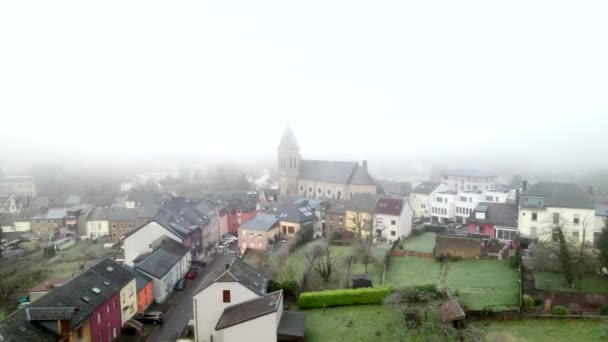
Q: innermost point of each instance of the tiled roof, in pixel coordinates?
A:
(262, 222)
(17, 328)
(158, 263)
(292, 324)
(49, 314)
(141, 280)
(389, 206)
(561, 195)
(426, 188)
(363, 202)
(339, 172)
(251, 309)
(498, 214)
(451, 311)
(97, 214)
(248, 276)
(298, 212)
(122, 214)
(52, 214)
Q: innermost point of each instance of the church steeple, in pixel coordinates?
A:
(289, 162)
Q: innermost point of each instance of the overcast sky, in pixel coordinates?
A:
(524, 81)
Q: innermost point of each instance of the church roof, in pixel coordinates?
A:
(288, 140)
(340, 172)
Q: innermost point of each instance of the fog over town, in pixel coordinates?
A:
(169, 171)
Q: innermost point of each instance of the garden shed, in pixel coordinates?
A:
(451, 312)
(361, 280)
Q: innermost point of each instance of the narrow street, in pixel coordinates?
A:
(181, 311)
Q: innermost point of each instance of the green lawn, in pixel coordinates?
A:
(480, 283)
(555, 281)
(484, 283)
(424, 243)
(334, 324)
(412, 270)
(546, 330)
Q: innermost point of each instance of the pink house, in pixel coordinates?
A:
(239, 212)
(255, 233)
(494, 221)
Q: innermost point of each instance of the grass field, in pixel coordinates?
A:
(547, 330)
(480, 283)
(424, 243)
(485, 283)
(413, 271)
(554, 281)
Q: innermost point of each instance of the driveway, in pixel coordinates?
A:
(180, 313)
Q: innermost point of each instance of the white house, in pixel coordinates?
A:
(165, 264)
(420, 198)
(465, 204)
(231, 304)
(97, 224)
(139, 241)
(545, 205)
(394, 218)
(443, 206)
(601, 214)
(463, 179)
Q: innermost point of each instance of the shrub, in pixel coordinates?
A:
(440, 258)
(528, 301)
(538, 301)
(513, 262)
(416, 232)
(559, 310)
(330, 298)
(435, 229)
(400, 247)
(604, 310)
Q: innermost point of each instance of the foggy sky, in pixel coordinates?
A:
(520, 82)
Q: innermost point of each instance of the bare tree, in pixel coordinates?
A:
(320, 260)
(364, 220)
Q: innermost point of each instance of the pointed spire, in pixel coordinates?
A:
(288, 141)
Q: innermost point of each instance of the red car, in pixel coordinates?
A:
(191, 274)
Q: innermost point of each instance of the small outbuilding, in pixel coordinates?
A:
(361, 280)
(451, 313)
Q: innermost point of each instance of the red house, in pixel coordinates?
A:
(494, 221)
(239, 212)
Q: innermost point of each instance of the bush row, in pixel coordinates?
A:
(329, 298)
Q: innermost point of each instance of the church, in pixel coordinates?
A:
(319, 178)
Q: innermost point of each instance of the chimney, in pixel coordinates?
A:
(227, 266)
(524, 186)
(364, 164)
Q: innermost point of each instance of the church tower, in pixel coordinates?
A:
(289, 163)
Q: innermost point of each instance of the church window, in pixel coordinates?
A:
(319, 191)
(295, 165)
(301, 187)
(310, 189)
(328, 192)
(339, 194)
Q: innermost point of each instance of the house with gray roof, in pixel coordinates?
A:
(231, 304)
(258, 232)
(319, 178)
(543, 207)
(421, 196)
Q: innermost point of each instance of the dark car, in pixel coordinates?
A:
(152, 317)
(198, 263)
(191, 274)
(180, 285)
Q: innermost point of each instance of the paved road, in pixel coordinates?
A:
(181, 312)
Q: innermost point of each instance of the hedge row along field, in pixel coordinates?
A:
(330, 298)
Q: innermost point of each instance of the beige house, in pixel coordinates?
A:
(97, 223)
(319, 178)
(231, 304)
(545, 205)
(421, 195)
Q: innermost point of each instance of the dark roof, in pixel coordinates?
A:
(97, 214)
(339, 172)
(147, 210)
(49, 314)
(362, 202)
(468, 173)
(262, 222)
(158, 263)
(292, 324)
(250, 277)
(107, 268)
(165, 220)
(122, 214)
(601, 210)
(336, 207)
(561, 195)
(141, 280)
(71, 293)
(296, 211)
(251, 309)
(498, 214)
(451, 311)
(17, 328)
(171, 246)
(389, 206)
(426, 187)
(397, 188)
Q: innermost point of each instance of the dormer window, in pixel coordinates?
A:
(226, 296)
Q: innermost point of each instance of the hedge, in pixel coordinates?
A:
(329, 298)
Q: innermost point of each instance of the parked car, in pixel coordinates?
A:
(191, 274)
(198, 263)
(224, 245)
(152, 317)
(230, 238)
(180, 285)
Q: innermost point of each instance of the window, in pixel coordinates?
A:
(490, 198)
(555, 218)
(341, 220)
(100, 337)
(99, 318)
(393, 233)
(226, 296)
(79, 332)
(463, 199)
(575, 236)
(577, 219)
(439, 199)
(480, 230)
(422, 206)
(534, 216)
(555, 235)
(310, 189)
(393, 222)
(108, 309)
(301, 188)
(329, 192)
(290, 229)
